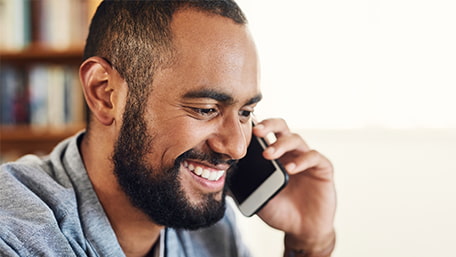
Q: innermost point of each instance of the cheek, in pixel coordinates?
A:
(175, 138)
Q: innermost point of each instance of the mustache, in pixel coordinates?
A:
(209, 157)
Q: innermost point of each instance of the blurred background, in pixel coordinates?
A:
(371, 84)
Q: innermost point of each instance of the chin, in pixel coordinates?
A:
(199, 199)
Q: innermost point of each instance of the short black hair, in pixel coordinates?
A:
(136, 39)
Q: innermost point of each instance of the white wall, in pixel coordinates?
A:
(351, 64)
(371, 84)
(396, 194)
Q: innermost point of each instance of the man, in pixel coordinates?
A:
(168, 85)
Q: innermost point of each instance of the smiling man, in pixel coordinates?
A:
(171, 86)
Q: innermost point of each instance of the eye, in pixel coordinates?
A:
(245, 115)
(205, 113)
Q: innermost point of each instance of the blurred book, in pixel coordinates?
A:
(48, 95)
(56, 24)
(15, 24)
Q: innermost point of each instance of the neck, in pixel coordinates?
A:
(134, 230)
(136, 233)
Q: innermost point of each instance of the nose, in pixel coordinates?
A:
(230, 138)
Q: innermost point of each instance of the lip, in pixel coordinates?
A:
(203, 184)
(208, 165)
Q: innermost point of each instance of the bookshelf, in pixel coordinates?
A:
(41, 102)
(40, 54)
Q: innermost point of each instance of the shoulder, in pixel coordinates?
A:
(37, 184)
(27, 183)
(32, 207)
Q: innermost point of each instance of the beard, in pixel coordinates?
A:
(159, 193)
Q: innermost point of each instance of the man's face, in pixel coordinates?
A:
(173, 161)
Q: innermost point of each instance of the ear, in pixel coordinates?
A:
(98, 84)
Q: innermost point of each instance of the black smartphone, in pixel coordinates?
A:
(256, 180)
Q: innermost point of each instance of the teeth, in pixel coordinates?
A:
(213, 176)
(199, 171)
(205, 173)
(220, 174)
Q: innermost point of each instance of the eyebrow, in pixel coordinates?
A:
(219, 96)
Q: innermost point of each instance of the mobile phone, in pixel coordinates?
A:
(256, 180)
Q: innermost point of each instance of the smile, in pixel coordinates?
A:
(204, 172)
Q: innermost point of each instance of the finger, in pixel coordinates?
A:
(277, 126)
(312, 162)
(291, 142)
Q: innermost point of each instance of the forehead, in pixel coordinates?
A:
(210, 50)
(206, 31)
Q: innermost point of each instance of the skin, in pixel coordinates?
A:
(203, 102)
